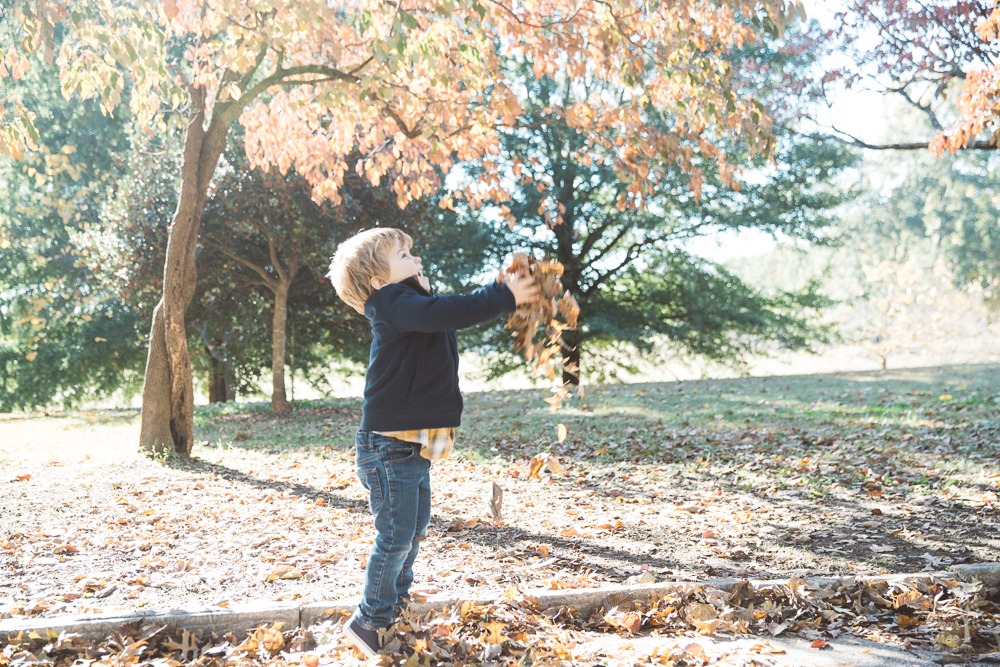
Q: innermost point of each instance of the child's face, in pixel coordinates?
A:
(402, 265)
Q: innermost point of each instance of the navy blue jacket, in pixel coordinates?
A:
(412, 380)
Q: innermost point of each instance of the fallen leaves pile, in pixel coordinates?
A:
(964, 618)
(538, 327)
(135, 645)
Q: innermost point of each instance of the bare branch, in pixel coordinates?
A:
(851, 140)
(267, 280)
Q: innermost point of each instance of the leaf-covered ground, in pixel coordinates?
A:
(859, 473)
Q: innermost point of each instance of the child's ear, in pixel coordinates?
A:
(378, 283)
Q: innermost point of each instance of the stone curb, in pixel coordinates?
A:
(240, 619)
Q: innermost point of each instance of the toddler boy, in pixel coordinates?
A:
(412, 403)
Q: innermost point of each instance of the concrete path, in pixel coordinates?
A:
(846, 651)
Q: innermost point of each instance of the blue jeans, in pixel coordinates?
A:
(399, 487)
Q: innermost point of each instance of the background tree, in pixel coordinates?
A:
(253, 219)
(952, 204)
(270, 235)
(638, 287)
(410, 86)
(939, 56)
(616, 232)
(64, 334)
(268, 230)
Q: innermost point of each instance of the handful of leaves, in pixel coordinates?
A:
(538, 327)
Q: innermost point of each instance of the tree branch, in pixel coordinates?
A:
(850, 140)
(267, 280)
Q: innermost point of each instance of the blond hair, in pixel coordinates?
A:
(359, 259)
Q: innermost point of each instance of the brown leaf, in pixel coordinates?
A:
(697, 652)
(704, 617)
(561, 432)
(629, 621)
(284, 572)
(495, 631)
(496, 502)
(537, 327)
(535, 465)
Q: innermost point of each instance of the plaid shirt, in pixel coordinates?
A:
(435, 443)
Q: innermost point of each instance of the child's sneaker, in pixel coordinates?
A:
(367, 641)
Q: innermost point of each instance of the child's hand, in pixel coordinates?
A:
(524, 288)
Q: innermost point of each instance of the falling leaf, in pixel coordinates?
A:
(535, 465)
(538, 327)
(561, 432)
(552, 463)
(542, 461)
(496, 502)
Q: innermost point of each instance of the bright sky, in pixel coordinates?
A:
(862, 114)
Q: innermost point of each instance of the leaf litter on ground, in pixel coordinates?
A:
(764, 478)
(515, 629)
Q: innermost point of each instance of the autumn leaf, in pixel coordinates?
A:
(170, 9)
(629, 621)
(704, 617)
(494, 631)
(542, 461)
(538, 327)
(188, 646)
(284, 572)
(697, 651)
(496, 502)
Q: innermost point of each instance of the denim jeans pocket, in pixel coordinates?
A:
(374, 482)
(399, 452)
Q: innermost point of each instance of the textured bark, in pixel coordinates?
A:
(279, 329)
(155, 437)
(168, 388)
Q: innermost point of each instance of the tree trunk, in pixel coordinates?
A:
(220, 386)
(230, 375)
(155, 438)
(279, 400)
(218, 390)
(168, 388)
